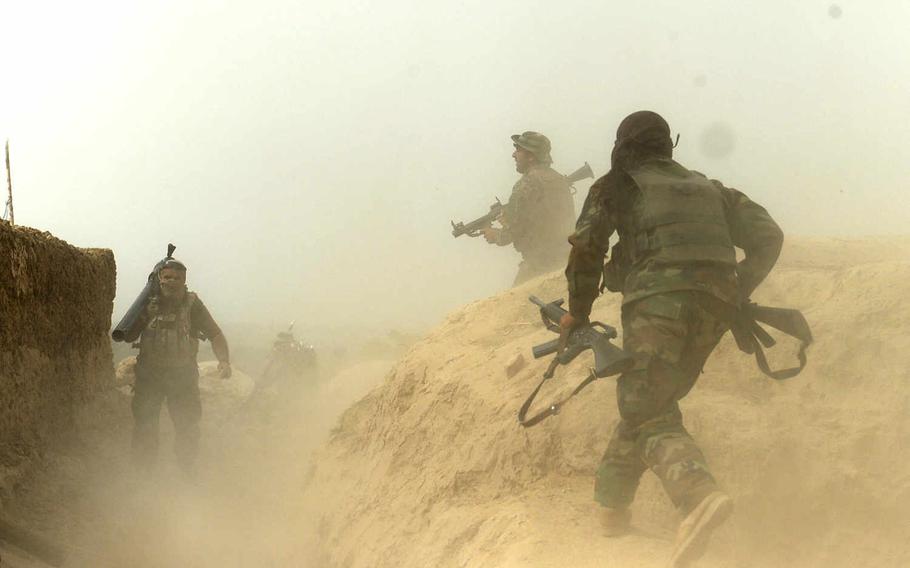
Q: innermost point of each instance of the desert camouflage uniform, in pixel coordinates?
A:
(537, 220)
(167, 371)
(673, 316)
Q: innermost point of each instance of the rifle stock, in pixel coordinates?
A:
(581, 173)
(610, 360)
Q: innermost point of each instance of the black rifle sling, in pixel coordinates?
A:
(553, 408)
(780, 374)
(750, 336)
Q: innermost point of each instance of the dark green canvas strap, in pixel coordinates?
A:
(553, 408)
(751, 337)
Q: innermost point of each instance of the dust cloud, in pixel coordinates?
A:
(243, 507)
(307, 157)
(717, 141)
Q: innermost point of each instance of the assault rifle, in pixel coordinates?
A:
(475, 227)
(151, 288)
(608, 359)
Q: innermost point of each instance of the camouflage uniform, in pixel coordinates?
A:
(167, 370)
(674, 312)
(539, 215)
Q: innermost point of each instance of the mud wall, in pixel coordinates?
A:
(55, 314)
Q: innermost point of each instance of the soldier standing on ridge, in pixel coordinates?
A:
(540, 212)
(675, 265)
(170, 328)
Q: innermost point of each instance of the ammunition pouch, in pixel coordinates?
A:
(169, 340)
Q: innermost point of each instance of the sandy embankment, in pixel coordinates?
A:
(432, 469)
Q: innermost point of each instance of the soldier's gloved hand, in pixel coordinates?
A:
(224, 370)
(491, 235)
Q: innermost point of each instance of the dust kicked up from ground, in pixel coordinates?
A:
(243, 509)
(427, 465)
(432, 468)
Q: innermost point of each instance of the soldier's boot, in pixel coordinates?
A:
(615, 522)
(617, 480)
(695, 530)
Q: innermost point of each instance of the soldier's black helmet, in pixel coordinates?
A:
(641, 135)
(646, 128)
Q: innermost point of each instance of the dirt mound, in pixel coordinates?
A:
(432, 468)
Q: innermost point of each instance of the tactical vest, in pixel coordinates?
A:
(169, 339)
(678, 218)
(548, 219)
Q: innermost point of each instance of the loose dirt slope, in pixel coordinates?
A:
(432, 468)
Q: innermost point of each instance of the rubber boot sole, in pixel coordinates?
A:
(696, 529)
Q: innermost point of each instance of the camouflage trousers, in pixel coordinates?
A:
(671, 336)
(180, 388)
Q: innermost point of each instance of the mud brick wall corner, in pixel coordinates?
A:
(55, 350)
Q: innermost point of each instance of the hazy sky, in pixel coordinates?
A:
(306, 157)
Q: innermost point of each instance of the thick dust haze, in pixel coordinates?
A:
(307, 157)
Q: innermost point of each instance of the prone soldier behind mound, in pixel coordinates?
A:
(675, 265)
(540, 213)
(169, 328)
